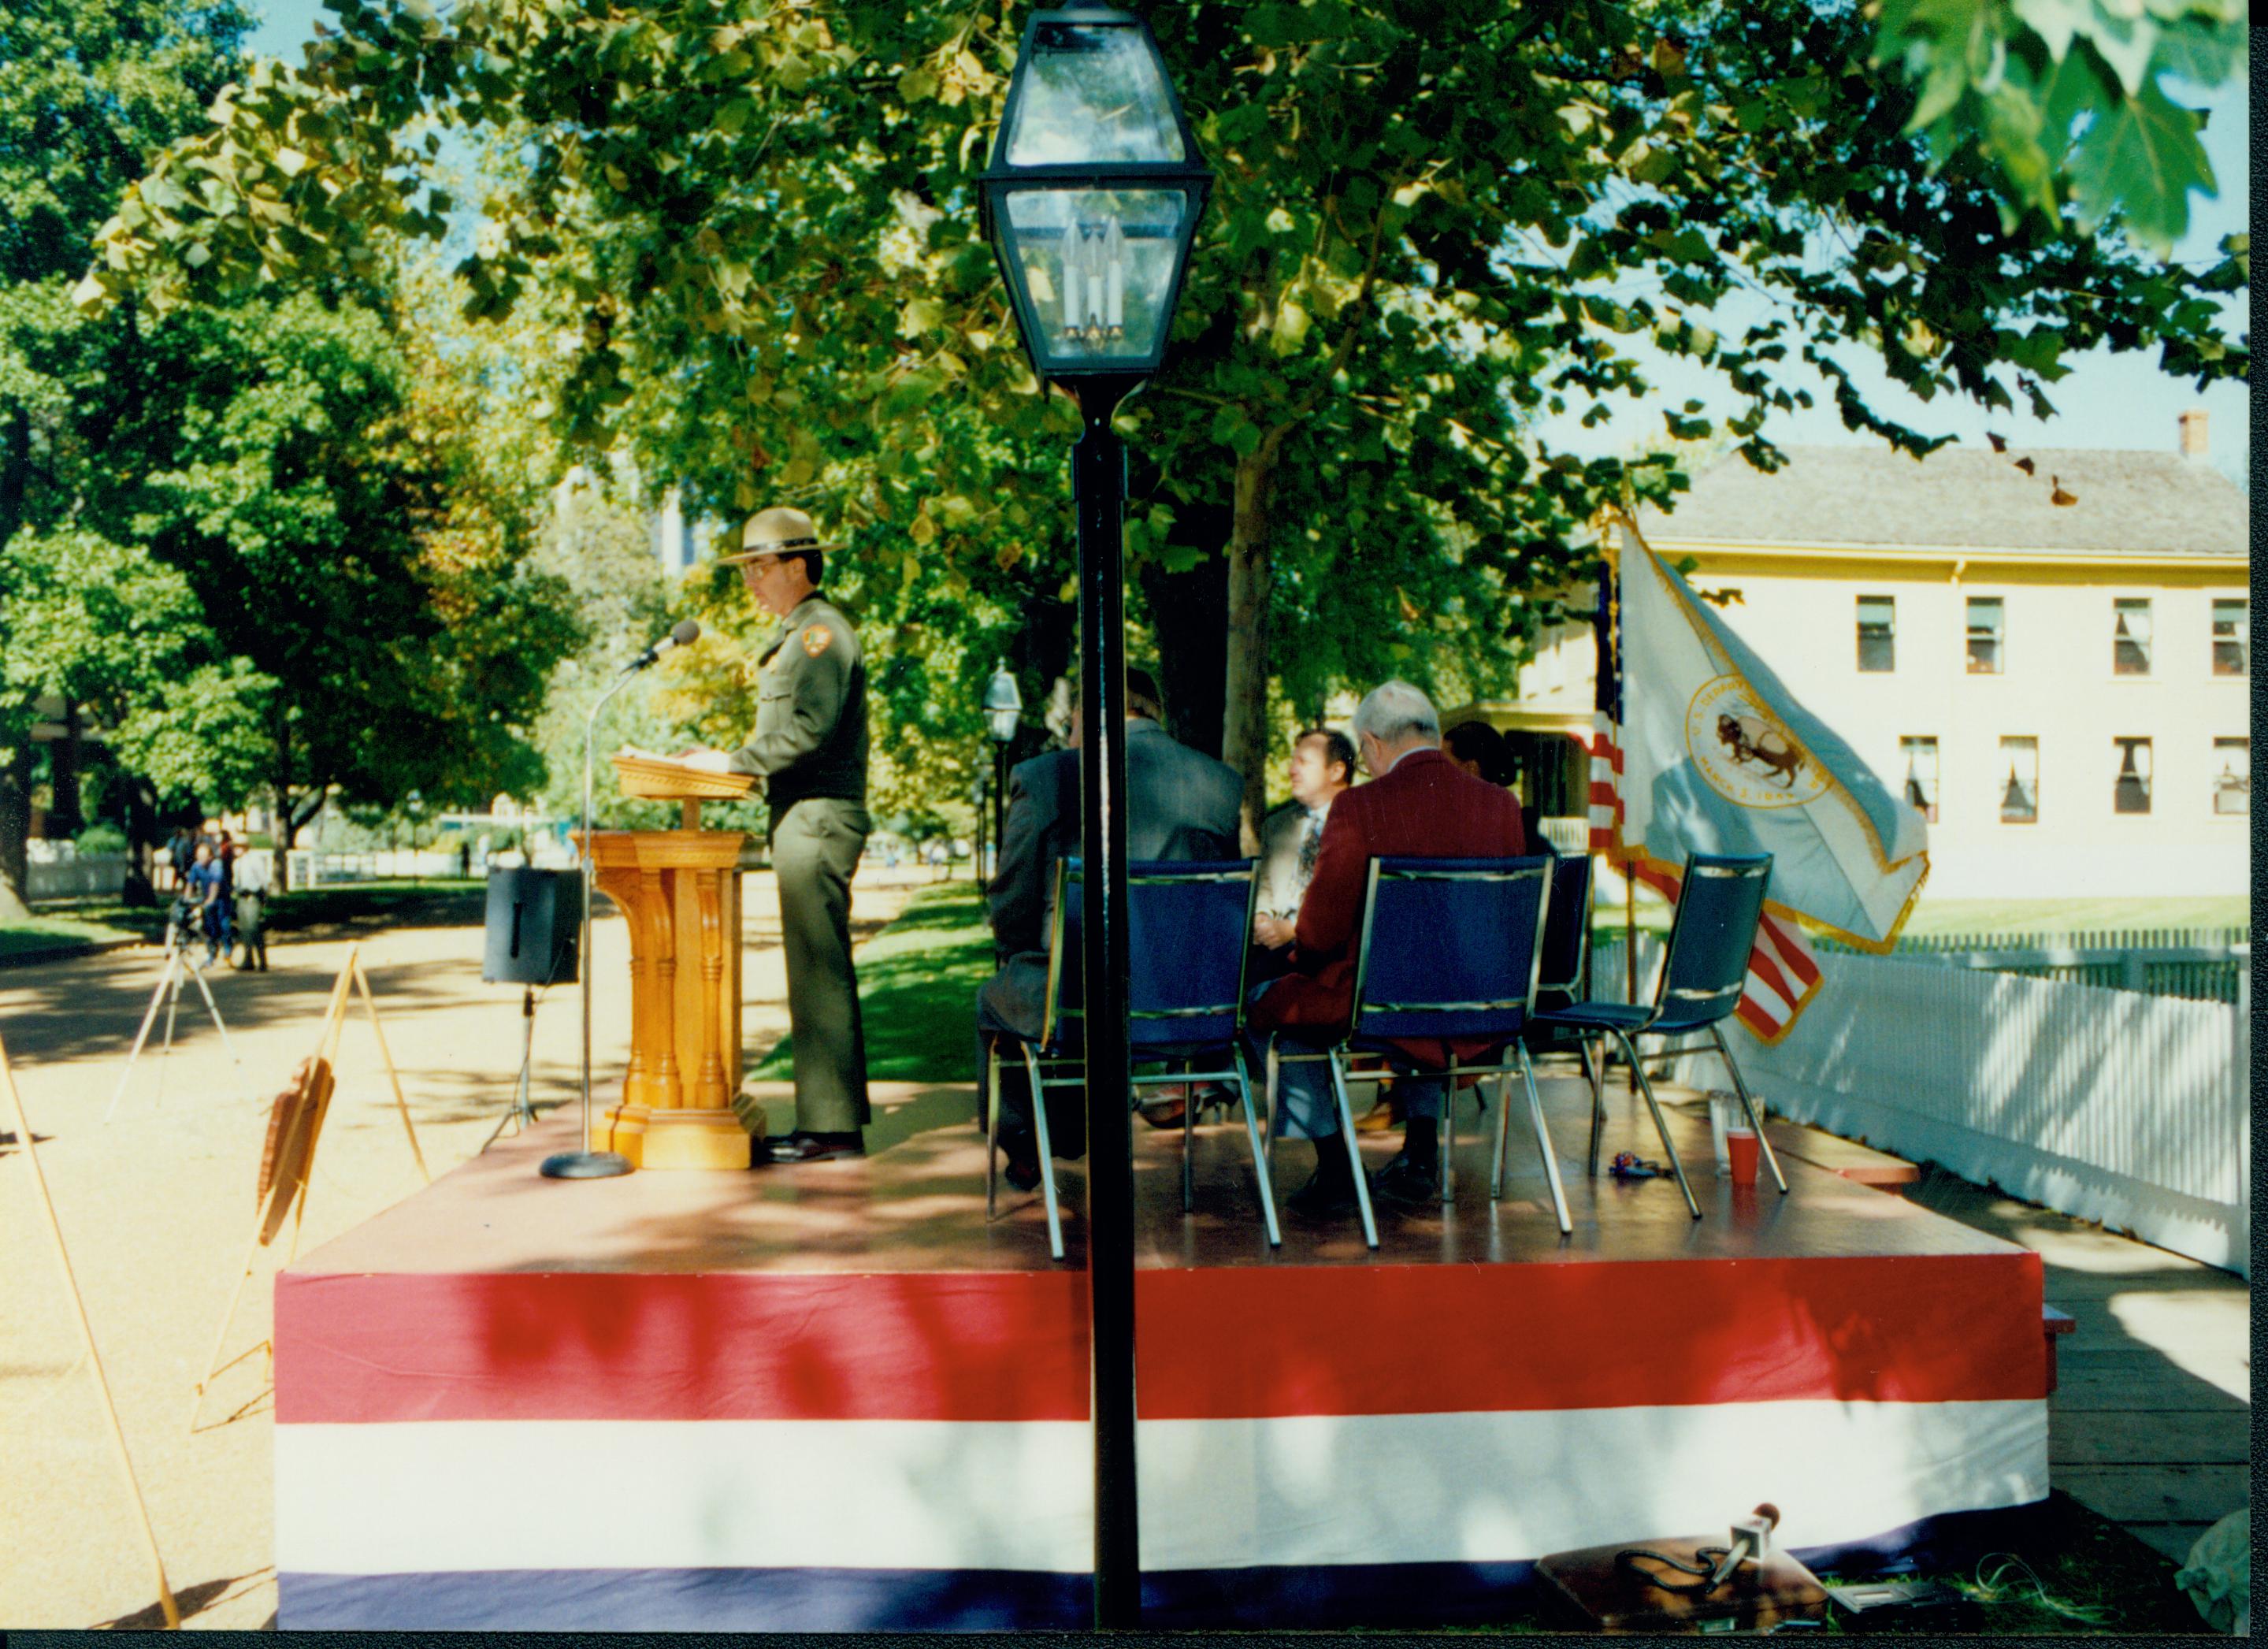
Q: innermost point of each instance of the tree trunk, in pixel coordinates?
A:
(1190, 613)
(15, 833)
(1244, 722)
(66, 817)
(141, 830)
(289, 822)
(15, 473)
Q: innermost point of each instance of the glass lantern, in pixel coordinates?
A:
(1092, 194)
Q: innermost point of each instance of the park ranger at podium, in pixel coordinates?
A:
(809, 746)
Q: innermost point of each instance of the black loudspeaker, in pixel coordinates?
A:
(534, 922)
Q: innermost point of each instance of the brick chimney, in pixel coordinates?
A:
(2194, 443)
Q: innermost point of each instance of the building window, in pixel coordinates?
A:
(1877, 642)
(2232, 776)
(2130, 637)
(2131, 794)
(1921, 775)
(2020, 797)
(2232, 636)
(1985, 617)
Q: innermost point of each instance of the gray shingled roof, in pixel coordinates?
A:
(2130, 503)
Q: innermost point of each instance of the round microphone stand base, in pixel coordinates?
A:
(586, 1165)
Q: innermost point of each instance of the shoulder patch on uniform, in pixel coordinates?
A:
(817, 639)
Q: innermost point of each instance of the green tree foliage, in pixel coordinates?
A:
(2068, 99)
(1432, 226)
(335, 514)
(274, 544)
(90, 94)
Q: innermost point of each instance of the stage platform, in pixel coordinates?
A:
(834, 1397)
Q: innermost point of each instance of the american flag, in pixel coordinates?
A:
(1783, 973)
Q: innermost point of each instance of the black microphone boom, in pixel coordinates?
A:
(685, 634)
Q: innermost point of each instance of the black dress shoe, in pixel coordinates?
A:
(1163, 1113)
(1022, 1169)
(802, 1147)
(1408, 1184)
(1328, 1194)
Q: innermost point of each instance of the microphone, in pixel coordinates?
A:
(686, 632)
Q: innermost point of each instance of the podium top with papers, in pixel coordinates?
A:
(652, 777)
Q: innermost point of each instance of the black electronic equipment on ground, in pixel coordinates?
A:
(533, 921)
(534, 939)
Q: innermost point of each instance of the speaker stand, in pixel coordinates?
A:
(521, 1113)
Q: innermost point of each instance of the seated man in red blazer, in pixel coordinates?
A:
(1418, 803)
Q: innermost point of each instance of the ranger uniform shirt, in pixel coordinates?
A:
(810, 738)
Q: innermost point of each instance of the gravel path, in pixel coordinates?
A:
(156, 1208)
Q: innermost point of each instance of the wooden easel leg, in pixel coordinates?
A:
(172, 1610)
(370, 1003)
(326, 1044)
(212, 1361)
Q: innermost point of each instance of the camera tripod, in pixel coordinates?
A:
(168, 995)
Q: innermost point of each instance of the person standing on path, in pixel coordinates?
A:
(255, 869)
(809, 746)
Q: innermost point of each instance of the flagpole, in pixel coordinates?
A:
(1630, 856)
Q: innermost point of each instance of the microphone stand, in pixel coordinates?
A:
(587, 1164)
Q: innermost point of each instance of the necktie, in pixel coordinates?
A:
(1311, 843)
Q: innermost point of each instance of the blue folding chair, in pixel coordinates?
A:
(1448, 949)
(1189, 927)
(1706, 968)
(1559, 974)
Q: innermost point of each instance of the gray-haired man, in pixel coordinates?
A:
(1418, 804)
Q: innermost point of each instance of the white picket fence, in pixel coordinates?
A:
(58, 870)
(2109, 1105)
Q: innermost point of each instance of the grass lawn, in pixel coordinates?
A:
(918, 983)
(51, 929)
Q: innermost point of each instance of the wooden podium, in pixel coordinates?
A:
(680, 891)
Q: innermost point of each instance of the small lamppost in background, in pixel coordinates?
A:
(1003, 710)
(977, 789)
(1091, 203)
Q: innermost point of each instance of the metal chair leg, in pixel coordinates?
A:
(1259, 1155)
(1354, 1151)
(1503, 1129)
(1543, 1143)
(1448, 1140)
(991, 1130)
(1598, 1080)
(1661, 1123)
(1047, 1153)
(1189, 1139)
(1275, 1111)
(1755, 1118)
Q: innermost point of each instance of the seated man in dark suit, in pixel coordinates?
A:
(1417, 803)
(1180, 804)
(1323, 765)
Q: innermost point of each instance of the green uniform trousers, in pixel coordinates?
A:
(815, 846)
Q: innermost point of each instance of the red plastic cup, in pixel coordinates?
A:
(1740, 1146)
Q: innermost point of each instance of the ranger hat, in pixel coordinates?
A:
(775, 532)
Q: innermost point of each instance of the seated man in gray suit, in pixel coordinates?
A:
(1180, 804)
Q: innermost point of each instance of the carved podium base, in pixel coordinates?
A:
(681, 892)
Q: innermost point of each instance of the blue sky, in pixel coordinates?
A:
(2107, 401)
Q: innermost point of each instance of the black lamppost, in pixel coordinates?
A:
(1004, 708)
(1091, 203)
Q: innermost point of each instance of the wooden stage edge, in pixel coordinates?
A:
(835, 1397)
